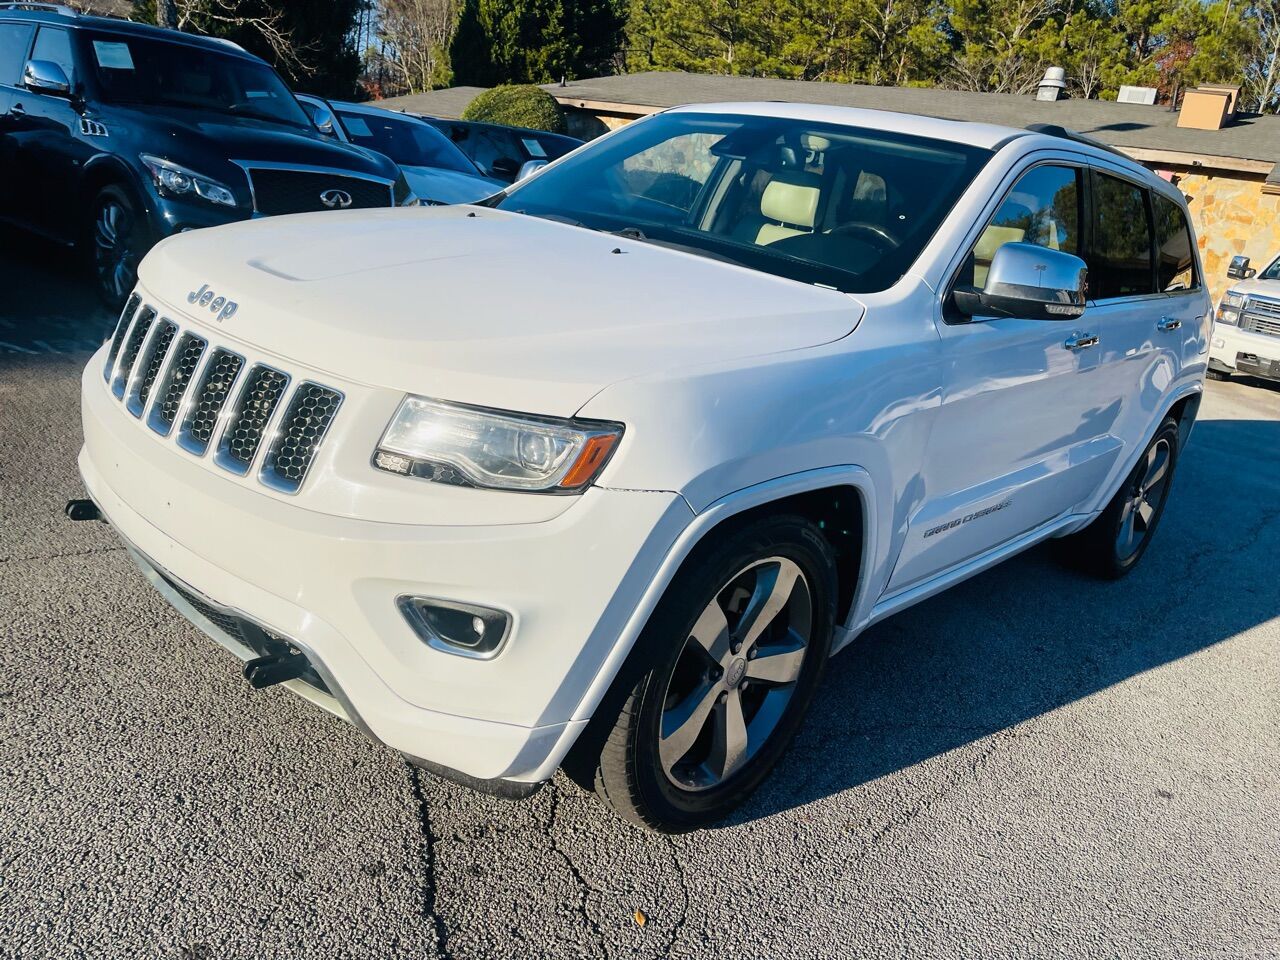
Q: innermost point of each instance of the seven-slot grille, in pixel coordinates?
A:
(1261, 316)
(214, 401)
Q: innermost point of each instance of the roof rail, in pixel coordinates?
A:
(46, 7)
(1055, 130)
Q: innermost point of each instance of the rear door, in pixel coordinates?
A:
(1021, 436)
(1147, 298)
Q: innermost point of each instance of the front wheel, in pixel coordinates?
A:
(117, 243)
(736, 649)
(1113, 544)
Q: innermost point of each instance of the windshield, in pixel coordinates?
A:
(845, 207)
(1272, 272)
(410, 143)
(159, 73)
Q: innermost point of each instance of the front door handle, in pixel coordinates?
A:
(1081, 341)
(18, 110)
(1168, 323)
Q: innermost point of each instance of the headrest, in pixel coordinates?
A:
(789, 200)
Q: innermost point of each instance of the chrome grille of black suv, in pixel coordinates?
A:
(174, 377)
(299, 191)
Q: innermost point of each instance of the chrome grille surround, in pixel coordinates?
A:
(168, 376)
(129, 352)
(1260, 316)
(299, 435)
(247, 424)
(148, 369)
(186, 357)
(117, 338)
(205, 405)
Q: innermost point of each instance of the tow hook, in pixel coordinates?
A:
(83, 510)
(277, 668)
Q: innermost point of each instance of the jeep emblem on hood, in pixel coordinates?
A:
(221, 306)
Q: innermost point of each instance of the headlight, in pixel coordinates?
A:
(450, 443)
(173, 180)
(1229, 307)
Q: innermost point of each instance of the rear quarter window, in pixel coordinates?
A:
(1175, 256)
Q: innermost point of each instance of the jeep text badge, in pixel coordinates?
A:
(336, 199)
(221, 306)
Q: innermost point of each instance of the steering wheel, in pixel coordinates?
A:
(872, 231)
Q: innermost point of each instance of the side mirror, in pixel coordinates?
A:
(1240, 269)
(45, 76)
(1028, 281)
(529, 168)
(325, 121)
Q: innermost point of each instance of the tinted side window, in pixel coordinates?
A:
(55, 45)
(1121, 261)
(1175, 261)
(1043, 208)
(14, 40)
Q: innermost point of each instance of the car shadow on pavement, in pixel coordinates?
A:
(48, 304)
(1030, 636)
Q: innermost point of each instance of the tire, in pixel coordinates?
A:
(706, 659)
(1113, 543)
(1213, 374)
(117, 238)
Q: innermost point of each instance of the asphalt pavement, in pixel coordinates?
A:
(1031, 765)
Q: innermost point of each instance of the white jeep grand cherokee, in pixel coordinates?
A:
(598, 473)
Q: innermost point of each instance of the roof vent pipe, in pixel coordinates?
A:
(1054, 82)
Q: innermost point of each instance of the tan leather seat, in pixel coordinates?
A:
(790, 207)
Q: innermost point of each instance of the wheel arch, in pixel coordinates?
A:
(106, 170)
(839, 499)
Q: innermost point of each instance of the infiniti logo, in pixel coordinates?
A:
(336, 199)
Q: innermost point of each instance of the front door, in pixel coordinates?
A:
(1022, 434)
(50, 145)
(15, 42)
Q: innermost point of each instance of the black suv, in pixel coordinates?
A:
(114, 135)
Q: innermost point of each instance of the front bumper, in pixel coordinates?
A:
(328, 584)
(1233, 350)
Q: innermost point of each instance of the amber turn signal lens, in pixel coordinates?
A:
(594, 453)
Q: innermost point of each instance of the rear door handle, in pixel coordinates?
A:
(18, 110)
(1168, 323)
(1081, 341)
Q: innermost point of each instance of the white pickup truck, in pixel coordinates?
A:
(599, 472)
(1246, 329)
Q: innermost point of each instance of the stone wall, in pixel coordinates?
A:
(1231, 216)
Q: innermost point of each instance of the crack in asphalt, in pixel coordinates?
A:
(428, 864)
(678, 926)
(583, 885)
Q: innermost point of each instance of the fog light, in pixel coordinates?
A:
(1219, 342)
(463, 629)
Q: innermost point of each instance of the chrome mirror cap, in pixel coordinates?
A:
(1029, 281)
(45, 76)
(529, 168)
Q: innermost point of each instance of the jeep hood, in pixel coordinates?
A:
(483, 306)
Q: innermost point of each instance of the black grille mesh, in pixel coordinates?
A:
(298, 191)
(258, 398)
(210, 397)
(302, 429)
(185, 360)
